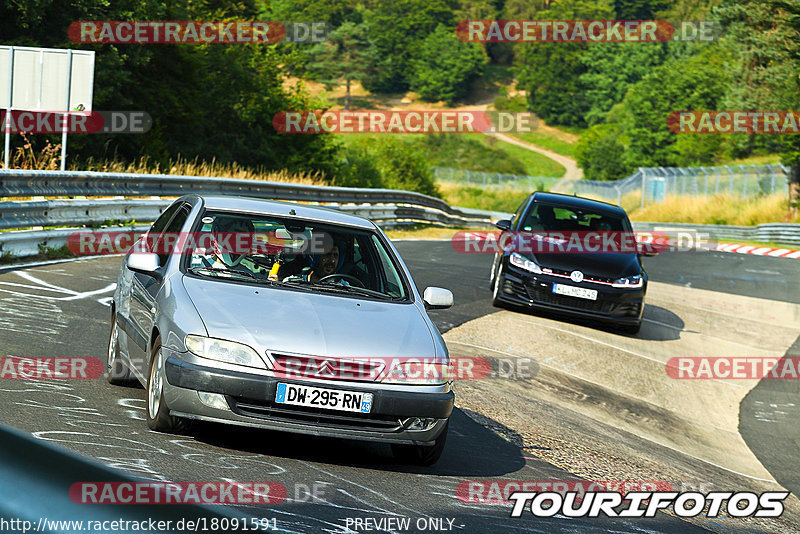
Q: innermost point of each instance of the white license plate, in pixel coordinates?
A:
(572, 291)
(327, 399)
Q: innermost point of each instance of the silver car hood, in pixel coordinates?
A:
(314, 324)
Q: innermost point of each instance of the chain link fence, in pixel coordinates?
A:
(494, 179)
(653, 184)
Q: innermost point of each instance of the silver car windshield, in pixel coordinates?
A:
(294, 254)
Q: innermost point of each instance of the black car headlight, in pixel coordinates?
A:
(518, 260)
(631, 282)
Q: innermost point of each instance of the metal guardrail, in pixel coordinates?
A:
(25, 183)
(387, 207)
(780, 233)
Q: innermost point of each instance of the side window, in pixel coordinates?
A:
(518, 214)
(168, 238)
(155, 230)
(394, 285)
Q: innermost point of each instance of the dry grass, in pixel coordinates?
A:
(505, 199)
(717, 209)
(196, 167)
(423, 232)
(47, 159)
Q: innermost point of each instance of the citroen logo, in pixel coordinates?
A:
(576, 276)
(327, 367)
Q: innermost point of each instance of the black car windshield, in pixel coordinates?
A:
(552, 218)
(305, 255)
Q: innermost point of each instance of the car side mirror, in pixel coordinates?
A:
(437, 298)
(144, 263)
(503, 224)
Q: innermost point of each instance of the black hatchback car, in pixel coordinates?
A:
(596, 282)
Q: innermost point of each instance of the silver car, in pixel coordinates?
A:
(284, 317)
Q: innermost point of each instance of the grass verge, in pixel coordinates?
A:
(505, 199)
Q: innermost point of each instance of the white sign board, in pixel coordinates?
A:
(45, 79)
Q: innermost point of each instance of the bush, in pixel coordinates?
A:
(386, 162)
(601, 154)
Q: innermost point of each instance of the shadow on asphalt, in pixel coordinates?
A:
(768, 417)
(667, 326)
(459, 458)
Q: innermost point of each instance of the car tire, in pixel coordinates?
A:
(156, 410)
(496, 302)
(117, 373)
(422, 454)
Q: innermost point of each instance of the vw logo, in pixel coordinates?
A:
(576, 276)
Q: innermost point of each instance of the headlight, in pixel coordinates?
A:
(419, 373)
(522, 262)
(224, 351)
(629, 281)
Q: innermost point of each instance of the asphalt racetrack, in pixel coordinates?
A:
(600, 406)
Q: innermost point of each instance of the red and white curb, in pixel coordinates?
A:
(758, 251)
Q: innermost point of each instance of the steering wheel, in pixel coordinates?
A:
(347, 277)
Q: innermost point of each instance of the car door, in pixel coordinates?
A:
(145, 288)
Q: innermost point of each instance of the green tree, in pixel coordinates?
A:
(397, 28)
(601, 153)
(550, 72)
(347, 55)
(446, 66)
(764, 36)
(402, 166)
(611, 69)
(638, 9)
(695, 83)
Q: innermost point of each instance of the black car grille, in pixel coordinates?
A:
(298, 366)
(547, 297)
(310, 416)
(586, 277)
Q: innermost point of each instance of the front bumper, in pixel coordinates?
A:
(250, 398)
(613, 305)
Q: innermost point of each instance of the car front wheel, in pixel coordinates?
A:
(498, 281)
(116, 371)
(158, 417)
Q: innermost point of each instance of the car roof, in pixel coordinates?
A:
(278, 208)
(569, 201)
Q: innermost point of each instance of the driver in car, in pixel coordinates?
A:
(231, 260)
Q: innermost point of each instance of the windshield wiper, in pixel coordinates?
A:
(354, 289)
(199, 270)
